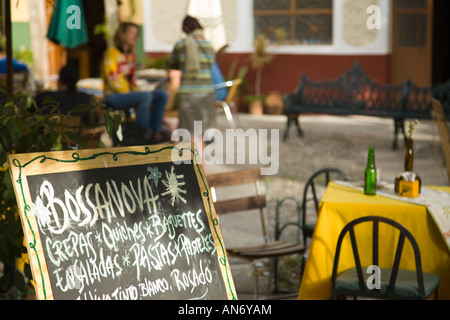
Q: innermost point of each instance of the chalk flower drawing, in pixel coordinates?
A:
(126, 259)
(98, 237)
(173, 186)
(148, 230)
(154, 175)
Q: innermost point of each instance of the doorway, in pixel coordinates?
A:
(412, 42)
(441, 41)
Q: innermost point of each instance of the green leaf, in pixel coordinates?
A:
(2, 155)
(8, 194)
(8, 110)
(5, 282)
(76, 137)
(7, 140)
(57, 145)
(14, 129)
(30, 102)
(27, 271)
(19, 281)
(7, 236)
(48, 100)
(4, 250)
(81, 108)
(26, 142)
(45, 142)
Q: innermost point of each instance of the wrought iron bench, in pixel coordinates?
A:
(354, 93)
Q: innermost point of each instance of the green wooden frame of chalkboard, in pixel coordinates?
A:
(121, 223)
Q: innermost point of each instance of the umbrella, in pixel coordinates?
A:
(68, 25)
(209, 14)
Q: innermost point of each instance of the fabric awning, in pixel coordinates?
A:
(68, 25)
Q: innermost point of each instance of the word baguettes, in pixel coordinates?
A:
(132, 232)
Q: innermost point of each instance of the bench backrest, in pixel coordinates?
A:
(351, 93)
(355, 93)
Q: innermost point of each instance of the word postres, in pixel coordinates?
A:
(120, 223)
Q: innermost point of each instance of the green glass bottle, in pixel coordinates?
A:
(370, 174)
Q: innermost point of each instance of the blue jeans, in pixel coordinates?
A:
(150, 106)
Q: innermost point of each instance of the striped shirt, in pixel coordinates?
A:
(202, 82)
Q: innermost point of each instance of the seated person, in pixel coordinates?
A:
(67, 94)
(121, 91)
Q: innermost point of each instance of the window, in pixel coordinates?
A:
(296, 21)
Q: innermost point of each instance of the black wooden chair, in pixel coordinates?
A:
(394, 283)
(320, 178)
(310, 193)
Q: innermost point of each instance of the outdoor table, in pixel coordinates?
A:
(427, 217)
(152, 74)
(148, 80)
(93, 86)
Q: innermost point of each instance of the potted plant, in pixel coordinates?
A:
(26, 128)
(255, 103)
(259, 58)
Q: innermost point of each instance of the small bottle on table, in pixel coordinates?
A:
(408, 175)
(370, 174)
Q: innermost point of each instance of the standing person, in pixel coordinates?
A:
(194, 56)
(121, 90)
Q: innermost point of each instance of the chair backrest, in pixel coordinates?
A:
(310, 192)
(404, 234)
(233, 89)
(241, 201)
(232, 86)
(438, 115)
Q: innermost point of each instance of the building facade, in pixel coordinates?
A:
(391, 39)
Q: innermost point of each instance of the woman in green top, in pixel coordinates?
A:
(194, 56)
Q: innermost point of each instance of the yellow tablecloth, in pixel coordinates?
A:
(342, 204)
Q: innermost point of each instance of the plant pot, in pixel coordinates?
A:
(256, 107)
(274, 103)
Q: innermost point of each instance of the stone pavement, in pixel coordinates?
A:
(329, 141)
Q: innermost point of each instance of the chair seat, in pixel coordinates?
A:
(406, 286)
(269, 250)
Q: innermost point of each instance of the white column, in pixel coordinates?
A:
(38, 32)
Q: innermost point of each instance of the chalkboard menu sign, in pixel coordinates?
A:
(121, 223)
